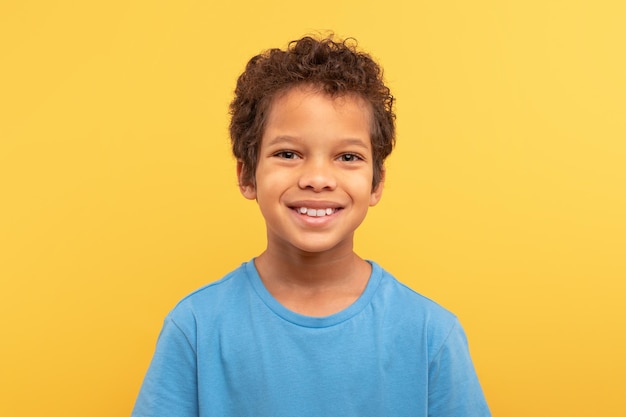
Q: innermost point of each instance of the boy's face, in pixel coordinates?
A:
(314, 172)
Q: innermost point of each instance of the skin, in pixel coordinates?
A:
(315, 153)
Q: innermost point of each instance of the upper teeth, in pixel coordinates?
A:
(316, 212)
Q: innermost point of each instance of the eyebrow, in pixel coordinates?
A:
(282, 139)
(291, 139)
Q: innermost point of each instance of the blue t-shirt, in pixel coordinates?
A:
(231, 349)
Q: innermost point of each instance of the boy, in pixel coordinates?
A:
(308, 328)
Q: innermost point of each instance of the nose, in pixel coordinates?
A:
(317, 175)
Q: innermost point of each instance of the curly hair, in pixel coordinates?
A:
(334, 67)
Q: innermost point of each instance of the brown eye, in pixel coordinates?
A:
(286, 155)
(349, 157)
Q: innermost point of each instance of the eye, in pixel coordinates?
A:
(350, 157)
(286, 155)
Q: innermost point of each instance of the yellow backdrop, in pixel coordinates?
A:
(505, 200)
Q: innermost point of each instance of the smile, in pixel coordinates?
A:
(311, 212)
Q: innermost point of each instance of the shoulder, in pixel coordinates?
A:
(212, 298)
(413, 312)
(408, 299)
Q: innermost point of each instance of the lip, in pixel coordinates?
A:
(316, 221)
(315, 204)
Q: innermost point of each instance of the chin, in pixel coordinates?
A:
(323, 247)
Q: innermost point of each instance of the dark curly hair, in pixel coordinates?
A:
(335, 68)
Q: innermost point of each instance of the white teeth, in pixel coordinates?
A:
(316, 212)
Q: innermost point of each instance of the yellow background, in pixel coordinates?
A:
(505, 199)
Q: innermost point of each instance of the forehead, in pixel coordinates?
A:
(307, 103)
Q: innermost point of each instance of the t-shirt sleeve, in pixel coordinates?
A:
(170, 386)
(454, 390)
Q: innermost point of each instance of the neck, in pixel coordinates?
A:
(314, 284)
(297, 267)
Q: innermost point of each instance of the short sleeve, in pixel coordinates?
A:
(170, 385)
(453, 387)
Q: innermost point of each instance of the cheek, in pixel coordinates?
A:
(361, 181)
(270, 184)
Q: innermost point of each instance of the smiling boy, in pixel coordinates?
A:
(308, 328)
(313, 184)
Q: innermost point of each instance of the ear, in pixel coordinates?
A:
(377, 192)
(247, 189)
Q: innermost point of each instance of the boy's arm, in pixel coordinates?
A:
(454, 390)
(170, 385)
